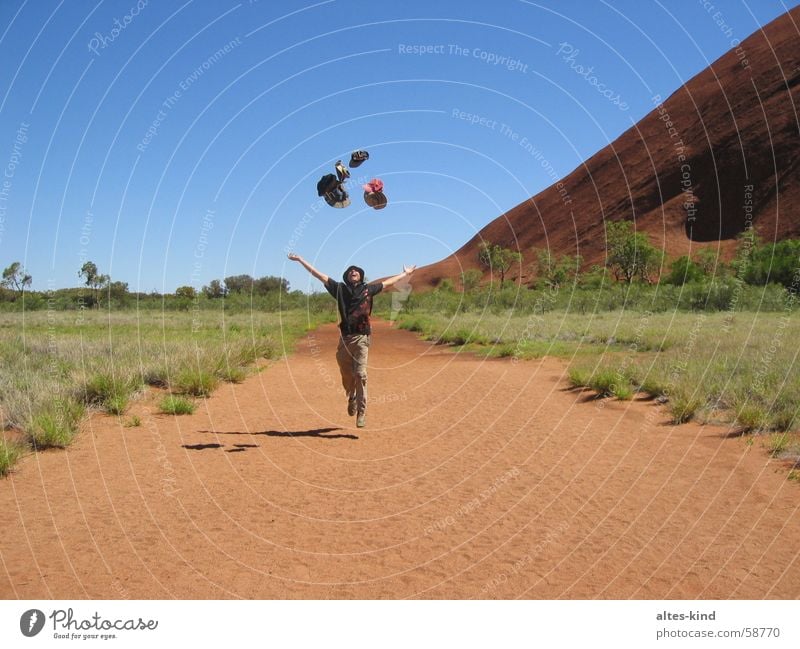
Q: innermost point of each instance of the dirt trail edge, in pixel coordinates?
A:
(474, 478)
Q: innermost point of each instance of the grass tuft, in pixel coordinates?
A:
(56, 425)
(175, 405)
(197, 382)
(112, 394)
(778, 444)
(232, 374)
(683, 407)
(579, 377)
(752, 417)
(10, 453)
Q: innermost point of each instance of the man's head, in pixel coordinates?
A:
(353, 275)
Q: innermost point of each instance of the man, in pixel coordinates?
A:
(354, 299)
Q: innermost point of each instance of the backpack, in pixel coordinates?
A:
(326, 184)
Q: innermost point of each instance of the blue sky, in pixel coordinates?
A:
(173, 143)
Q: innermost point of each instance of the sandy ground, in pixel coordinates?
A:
(474, 478)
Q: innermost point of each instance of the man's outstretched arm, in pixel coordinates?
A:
(407, 270)
(320, 276)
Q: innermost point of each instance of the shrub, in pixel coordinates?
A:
(173, 405)
(470, 279)
(133, 422)
(684, 271)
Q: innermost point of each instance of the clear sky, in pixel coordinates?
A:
(173, 143)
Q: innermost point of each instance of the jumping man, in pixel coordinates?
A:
(354, 299)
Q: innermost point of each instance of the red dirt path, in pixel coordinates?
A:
(473, 479)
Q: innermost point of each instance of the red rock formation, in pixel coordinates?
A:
(719, 154)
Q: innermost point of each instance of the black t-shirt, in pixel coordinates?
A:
(355, 304)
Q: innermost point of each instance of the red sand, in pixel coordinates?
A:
(473, 479)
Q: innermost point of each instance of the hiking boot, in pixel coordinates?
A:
(361, 420)
(351, 406)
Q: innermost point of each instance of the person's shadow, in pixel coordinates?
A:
(320, 433)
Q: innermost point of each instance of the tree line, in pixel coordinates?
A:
(16, 281)
(632, 258)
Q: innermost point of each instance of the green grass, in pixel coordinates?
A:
(176, 405)
(778, 444)
(738, 367)
(579, 377)
(683, 407)
(132, 422)
(232, 374)
(195, 381)
(10, 453)
(54, 365)
(109, 393)
(56, 425)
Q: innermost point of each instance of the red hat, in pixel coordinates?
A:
(374, 185)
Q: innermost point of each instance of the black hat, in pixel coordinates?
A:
(357, 157)
(349, 268)
(327, 183)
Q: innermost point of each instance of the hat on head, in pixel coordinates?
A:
(349, 268)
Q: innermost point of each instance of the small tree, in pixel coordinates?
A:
(185, 291)
(629, 253)
(777, 262)
(684, 271)
(270, 283)
(556, 272)
(214, 289)
(498, 259)
(15, 278)
(708, 260)
(94, 280)
(239, 284)
(470, 279)
(118, 290)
